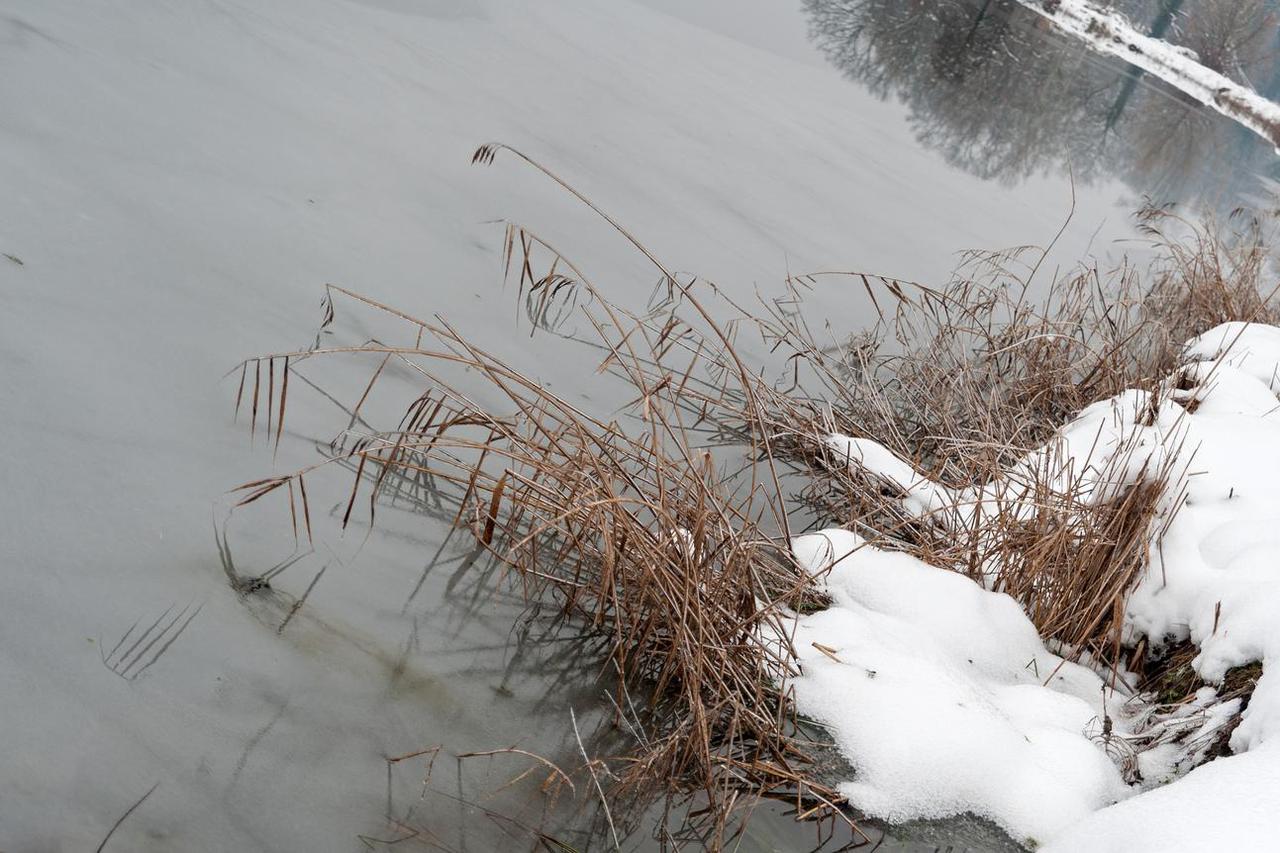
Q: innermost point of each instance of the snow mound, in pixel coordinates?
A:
(935, 689)
(1227, 804)
(944, 699)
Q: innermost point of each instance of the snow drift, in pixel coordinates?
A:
(945, 700)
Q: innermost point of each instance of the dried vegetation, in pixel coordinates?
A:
(664, 526)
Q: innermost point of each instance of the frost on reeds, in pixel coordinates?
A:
(639, 527)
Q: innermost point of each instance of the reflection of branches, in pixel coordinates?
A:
(1001, 96)
(1209, 80)
(103, 846)
(128, 661)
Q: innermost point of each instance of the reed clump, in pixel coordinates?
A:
(633, 526)
(965, 382)
(665, 527)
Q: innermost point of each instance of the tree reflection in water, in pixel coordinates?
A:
(1002, 95)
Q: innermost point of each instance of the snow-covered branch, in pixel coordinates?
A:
(1110, 33)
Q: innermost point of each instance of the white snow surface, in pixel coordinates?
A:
(939, 696)
(1091, 459)
(946, 652)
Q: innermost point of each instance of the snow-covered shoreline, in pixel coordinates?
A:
(1110, 33)
(944, 699)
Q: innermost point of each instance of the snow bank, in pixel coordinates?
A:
(1108, 32)
(936, 690)
(939, 691)
(1228, 804)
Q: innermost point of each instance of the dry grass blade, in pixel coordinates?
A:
(511, 750)
(284, 395)
(491, 517)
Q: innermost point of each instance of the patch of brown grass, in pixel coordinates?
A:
(638, 526)
(965, 381)
(632, 526)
